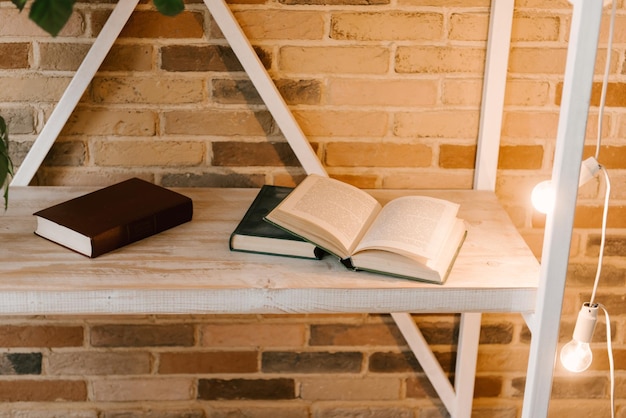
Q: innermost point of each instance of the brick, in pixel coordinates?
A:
(15, 23)
(208, 362)
(457, 156)
(351, 389)
(69, 154)
(49, 412)
(418, 386)
(520, 157)
(335, 2)
(439, 60)
(32, 89)
(129, 58)
(90, 121)
(218, 122)
(342, 123)
(282, 24)
(527, 93)
(337, 335)
(252, 335)
(42, 390)
(367, 92)
(574, 386)
(463, 92)
(387, 26)
(430, 180)
(152, 24)
(537, 60)
(341, 59)
(488, 386)
(441, 124)
(148, 153)
(530, 125)
(147, 90)
(238, 389)
(362, 181)
(213, 180)
(98, 363)
(249, 154)
(611, 156)
(582, 275)
(615, 245)
(61, 56)
(19, 120)
(256, 410)
(14, 55)
(500, 333)
(468, 26)
(591, 216)
(365, 154)
(535, 28)
(243, 91)
(369, 411)
(142, 335)
(20, 363)
(155, 413)
(199, 58)
(40, 336)
(311, 362)
(498, 359)
(148, 389)
(391, 362)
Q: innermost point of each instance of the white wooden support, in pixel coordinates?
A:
(458, 398)
(496, 65)
(265, 86)
(579, 71)
(64, 108)
(103, 43)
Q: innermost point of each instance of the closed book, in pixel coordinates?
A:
(254, 234)
(117, 215)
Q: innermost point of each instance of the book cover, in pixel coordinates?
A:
(253, 234)
(114, 216)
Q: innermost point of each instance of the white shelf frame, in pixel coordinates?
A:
(544, 323)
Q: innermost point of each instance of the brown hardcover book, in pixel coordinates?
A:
(112, 217)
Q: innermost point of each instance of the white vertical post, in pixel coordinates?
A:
(581, 56)
(496, 65)
(98, 51)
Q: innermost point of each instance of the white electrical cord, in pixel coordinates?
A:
(611, 364)
(607, 69)
(606, 206)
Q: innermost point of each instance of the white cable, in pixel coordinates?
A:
(611, 363)
(607, 68)
(605, 214)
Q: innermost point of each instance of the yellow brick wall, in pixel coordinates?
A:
(388, 93)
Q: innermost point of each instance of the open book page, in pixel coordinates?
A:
(414, 226)
(339, 209)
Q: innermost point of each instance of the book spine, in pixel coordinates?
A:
(141, 228)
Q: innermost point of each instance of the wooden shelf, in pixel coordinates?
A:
(190, 269)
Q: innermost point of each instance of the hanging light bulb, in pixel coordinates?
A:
(576, 355)
(544, 195)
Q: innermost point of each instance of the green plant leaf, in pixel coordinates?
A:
(169, 7)
(6, 166)
(51, 15)
(19, 4)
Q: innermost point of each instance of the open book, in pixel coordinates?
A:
(415, 237)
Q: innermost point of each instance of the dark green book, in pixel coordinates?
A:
(255, 235)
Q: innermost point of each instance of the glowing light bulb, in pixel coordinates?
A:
(543, 196)
(576, 355)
